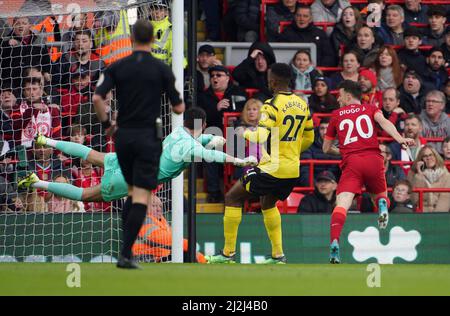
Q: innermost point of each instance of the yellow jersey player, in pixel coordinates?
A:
(287, 127)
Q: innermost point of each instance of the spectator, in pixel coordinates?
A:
(49, 29)
(302, 30)
(415, 12)
(316, 152)
(413, 129)
(368, 82)
(410, 56)
(446, 47)
(80, 59)
(392, 32)
(57, 204)
(447, 94)
(247, 20)
(344, 33)
(366, 46)
(446, 150)
(252, 72)
(20, 49)
(428, 171)
(328, 11)
(436, 74)
(37, 116)
(304, 71)
(79, 22)
(222, 96)
(323, 199)
(211, 8)
(434, 35)
(77, 134)
(284, 10)
(387, 68)
(435, 122)
(112, 39)
(8, 103)
(322, 101)
(401, 198)
(9, 200)
(160, 19)
(392, 172)
(392, 110)
(412, 93)
(206, 59)
(351, 61)
(46, 167)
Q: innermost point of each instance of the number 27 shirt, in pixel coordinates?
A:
(354, 125)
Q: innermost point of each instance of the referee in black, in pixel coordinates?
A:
(140, 80)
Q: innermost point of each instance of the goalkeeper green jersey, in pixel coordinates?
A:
(179, 150)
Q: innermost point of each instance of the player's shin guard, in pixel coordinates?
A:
(272, 221)
(132, 226)
(61, 189)
(72, 149)
(231, 221)
(337, 222)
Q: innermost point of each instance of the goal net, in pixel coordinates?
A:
(52, 53)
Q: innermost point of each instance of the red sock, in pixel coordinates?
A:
(337, 222)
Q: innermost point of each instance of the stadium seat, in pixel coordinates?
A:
(290, 205)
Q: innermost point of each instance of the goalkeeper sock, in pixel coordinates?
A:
(272, 221)
(126, 210)
(337, 222)
(231, 221)
(72, 149)
(132, 226)
(65, 190)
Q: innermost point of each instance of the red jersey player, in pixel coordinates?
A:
(362, 163)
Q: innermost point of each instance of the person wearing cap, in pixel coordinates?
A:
(412, 93)
(436, 74)
(323, 199)
(251, 73)
(410, 56)
(368, 82)
(302, 30)
(415, 12)
(206, 58)
(222, 96)
(322, 101)
(435, 34)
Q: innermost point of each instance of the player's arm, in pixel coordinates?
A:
(211, 155)
(390, 128)
(330, 135)
(308, 135)
(104, 85)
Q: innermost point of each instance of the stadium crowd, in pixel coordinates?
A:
(49, 72)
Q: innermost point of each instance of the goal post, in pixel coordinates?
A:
(38, 226)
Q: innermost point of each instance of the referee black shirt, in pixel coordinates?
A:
(140, 80)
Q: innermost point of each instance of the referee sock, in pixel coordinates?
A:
(72, 149)
(126, 211)
(272, 221)
(65, 190)
(132, 226)
(231, 221)
(337, 222)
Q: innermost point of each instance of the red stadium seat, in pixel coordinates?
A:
(290, 205)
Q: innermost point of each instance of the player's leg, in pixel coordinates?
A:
(73, 149)
(65, 190)
(272, 222)
(343, 202)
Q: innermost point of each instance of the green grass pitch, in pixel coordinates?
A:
(228, 280)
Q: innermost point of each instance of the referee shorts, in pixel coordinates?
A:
(260, 184)
(138, 151)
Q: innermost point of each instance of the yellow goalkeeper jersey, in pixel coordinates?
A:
(285, 119)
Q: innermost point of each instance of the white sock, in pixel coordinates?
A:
(41, 184)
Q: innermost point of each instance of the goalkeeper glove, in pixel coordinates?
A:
(216, 141)
(248, 161)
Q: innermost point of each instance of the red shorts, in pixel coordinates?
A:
(363, 170)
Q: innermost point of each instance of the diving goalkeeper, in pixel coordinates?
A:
(181, 147)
